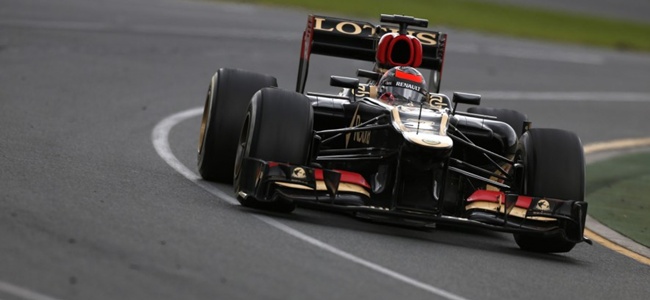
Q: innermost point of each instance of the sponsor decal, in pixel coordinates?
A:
(407, 85)
(362, 91)
(299, 173)
(359, 136)
(437, 101)
(366, 29)
(543, 205)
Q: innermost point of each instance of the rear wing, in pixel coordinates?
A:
(358, 40)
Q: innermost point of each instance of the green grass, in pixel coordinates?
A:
(618, 192)
(493, 18)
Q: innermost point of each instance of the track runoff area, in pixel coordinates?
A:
(603, 235)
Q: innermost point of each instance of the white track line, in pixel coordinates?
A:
(566, 96)
(22, 292)
(517, 52)
(160, 138)
(160, 141)
(531, 53)
(190, 31)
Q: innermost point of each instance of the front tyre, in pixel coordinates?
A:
(278, 127)
(555, 168)
(228, 96)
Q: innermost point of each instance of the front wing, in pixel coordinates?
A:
(347, 191)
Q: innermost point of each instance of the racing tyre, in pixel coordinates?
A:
(277, 127)
(228, 96)
(555, 168)
(511, 117)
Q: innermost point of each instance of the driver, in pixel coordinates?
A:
(403, 85)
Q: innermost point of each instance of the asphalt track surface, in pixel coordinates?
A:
(89, 210)
(630, 10)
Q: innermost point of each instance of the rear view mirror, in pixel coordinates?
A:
(344, 82)
(465, 98)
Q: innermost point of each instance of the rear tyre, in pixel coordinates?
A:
(228, 96)
(278, 128)
(555, 168)
(511, 117)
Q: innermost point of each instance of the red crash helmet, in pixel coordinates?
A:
(402, 84)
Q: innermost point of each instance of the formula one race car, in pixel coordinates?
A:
(391, 148)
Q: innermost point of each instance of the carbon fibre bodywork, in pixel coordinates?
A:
(416, 163)
(391, 178)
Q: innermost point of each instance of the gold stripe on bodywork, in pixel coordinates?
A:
(506, 167)
(347, 136)
(500, 208)
(320, 186)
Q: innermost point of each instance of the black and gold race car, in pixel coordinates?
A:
(389, 146)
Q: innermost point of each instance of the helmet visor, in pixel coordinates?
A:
(403, 94)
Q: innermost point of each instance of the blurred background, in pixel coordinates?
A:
(89, 210)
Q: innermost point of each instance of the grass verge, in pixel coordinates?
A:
(502, 19)
(618, 192)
